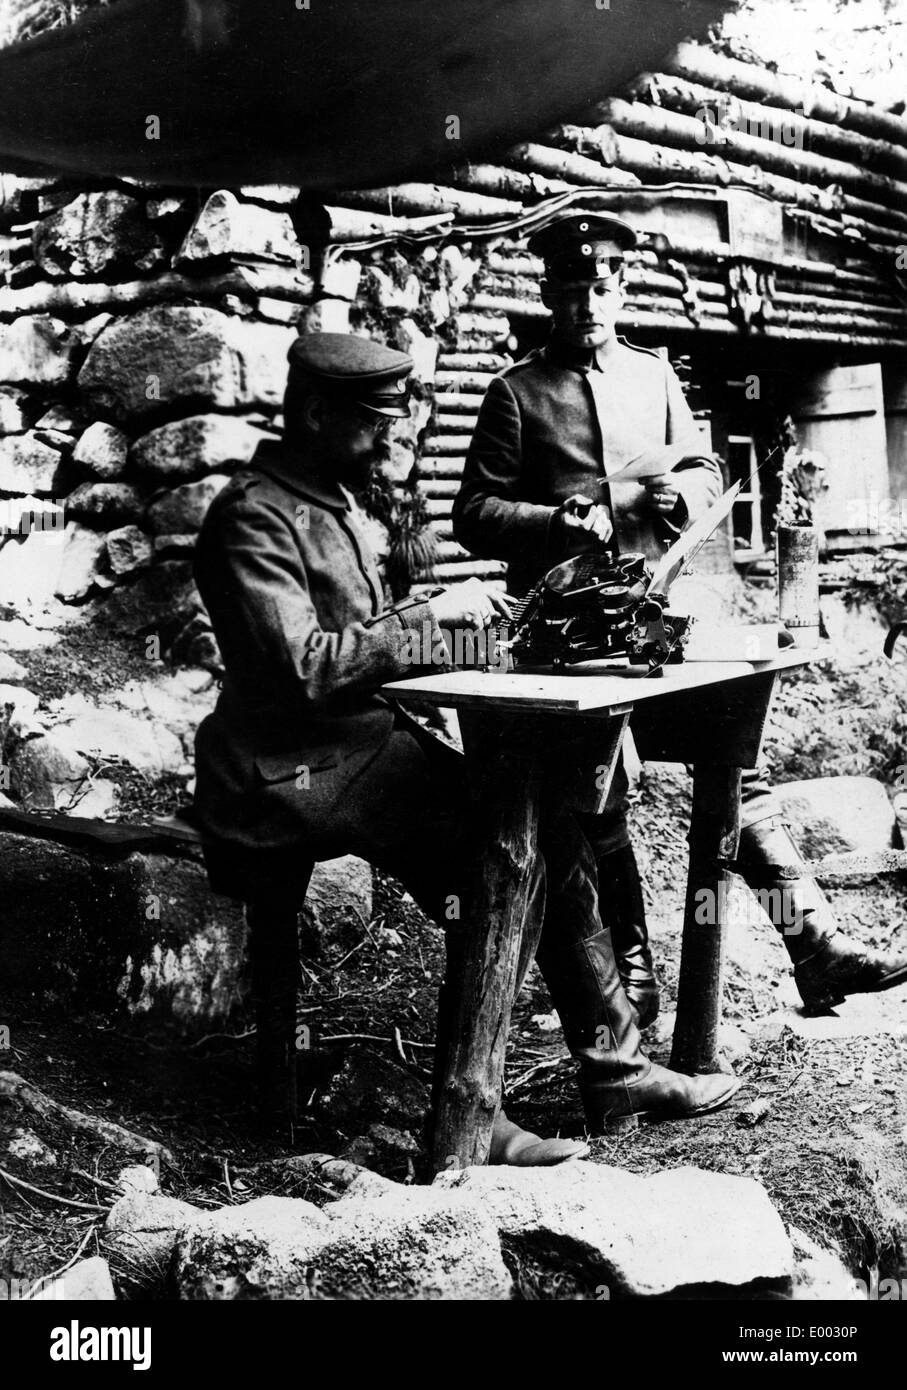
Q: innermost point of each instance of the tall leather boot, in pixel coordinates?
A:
(510, 1144)
(616, 1079)
(827, 965)
(622, 908)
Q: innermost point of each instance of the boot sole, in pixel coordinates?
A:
(616, 1122)
(821, 1003)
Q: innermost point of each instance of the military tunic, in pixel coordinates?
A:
(296, 603)
(556, 424)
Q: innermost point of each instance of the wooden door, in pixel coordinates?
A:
(841, 414)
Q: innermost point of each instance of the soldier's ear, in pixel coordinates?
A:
(313, 412)
(549, 293)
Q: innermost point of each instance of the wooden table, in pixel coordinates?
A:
(563, 732)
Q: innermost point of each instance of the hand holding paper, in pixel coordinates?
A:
(653, 462)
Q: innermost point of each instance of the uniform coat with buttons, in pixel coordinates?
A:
(554, 425)
(296, 604)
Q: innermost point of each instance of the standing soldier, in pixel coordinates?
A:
(535, 491)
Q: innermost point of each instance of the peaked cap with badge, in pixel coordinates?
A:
(583, 245)
(369, 374)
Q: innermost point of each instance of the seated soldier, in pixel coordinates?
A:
(304, 759)
(535, 491)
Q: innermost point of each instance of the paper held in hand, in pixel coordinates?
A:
(653, 462)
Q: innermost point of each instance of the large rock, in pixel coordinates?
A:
(162, 601)
(142, 936)
(15, 416)
(182, 510)
(140, 1235)
(397, 1249)
(87, 1282)
(12, 672)
(12, 698)
(338, 903)
(594, 1228)
(176, 357)
(833, 815)
(102, 451)
(106, 504)
(84, 552)
(46, 774)
(93, 233)
(114, 736)
(128, 549)
(35, 349)
(370, 1089)
(28, 465)
(227, 227)
(187, 449)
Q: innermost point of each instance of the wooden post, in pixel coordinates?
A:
(714, 837)
(505, 764)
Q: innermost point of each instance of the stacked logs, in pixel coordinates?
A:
(90, 280)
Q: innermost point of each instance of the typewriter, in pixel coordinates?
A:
(596, 608)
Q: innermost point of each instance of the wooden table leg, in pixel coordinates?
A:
(506, 766)
(714, 837)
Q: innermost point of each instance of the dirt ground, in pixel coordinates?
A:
(831, 1149)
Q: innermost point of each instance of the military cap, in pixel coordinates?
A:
(366, 373)
(583, 245)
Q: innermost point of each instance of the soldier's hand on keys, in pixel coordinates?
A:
(470, 604)
(662, 493)
(580, 513)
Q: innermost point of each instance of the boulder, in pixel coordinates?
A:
(174, 357)
(19, 636)
(161, 601)
(94, 233)
(46, 774)
(261, 1249)
(397, 1249)
(227, 227)
(84, 552)
(28, 465)
(392, 1152)
(834, 815)
(88, 1281)
(338, 904)
(12, 698)
(12, 672)
(141, 937)
(106, 504)
(102, 451)
(58, 421)
(370, 1089)
(183, 509)
(186, 449)
(26, 1148)
(15, 416)
(35, 350)
(138, 1177)
(149, 746)
(604, 1232)
(140, 1235)
(128, 549)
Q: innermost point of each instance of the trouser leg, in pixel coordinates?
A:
(272, 920)
(577, 961)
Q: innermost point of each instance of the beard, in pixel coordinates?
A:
(357, 473)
